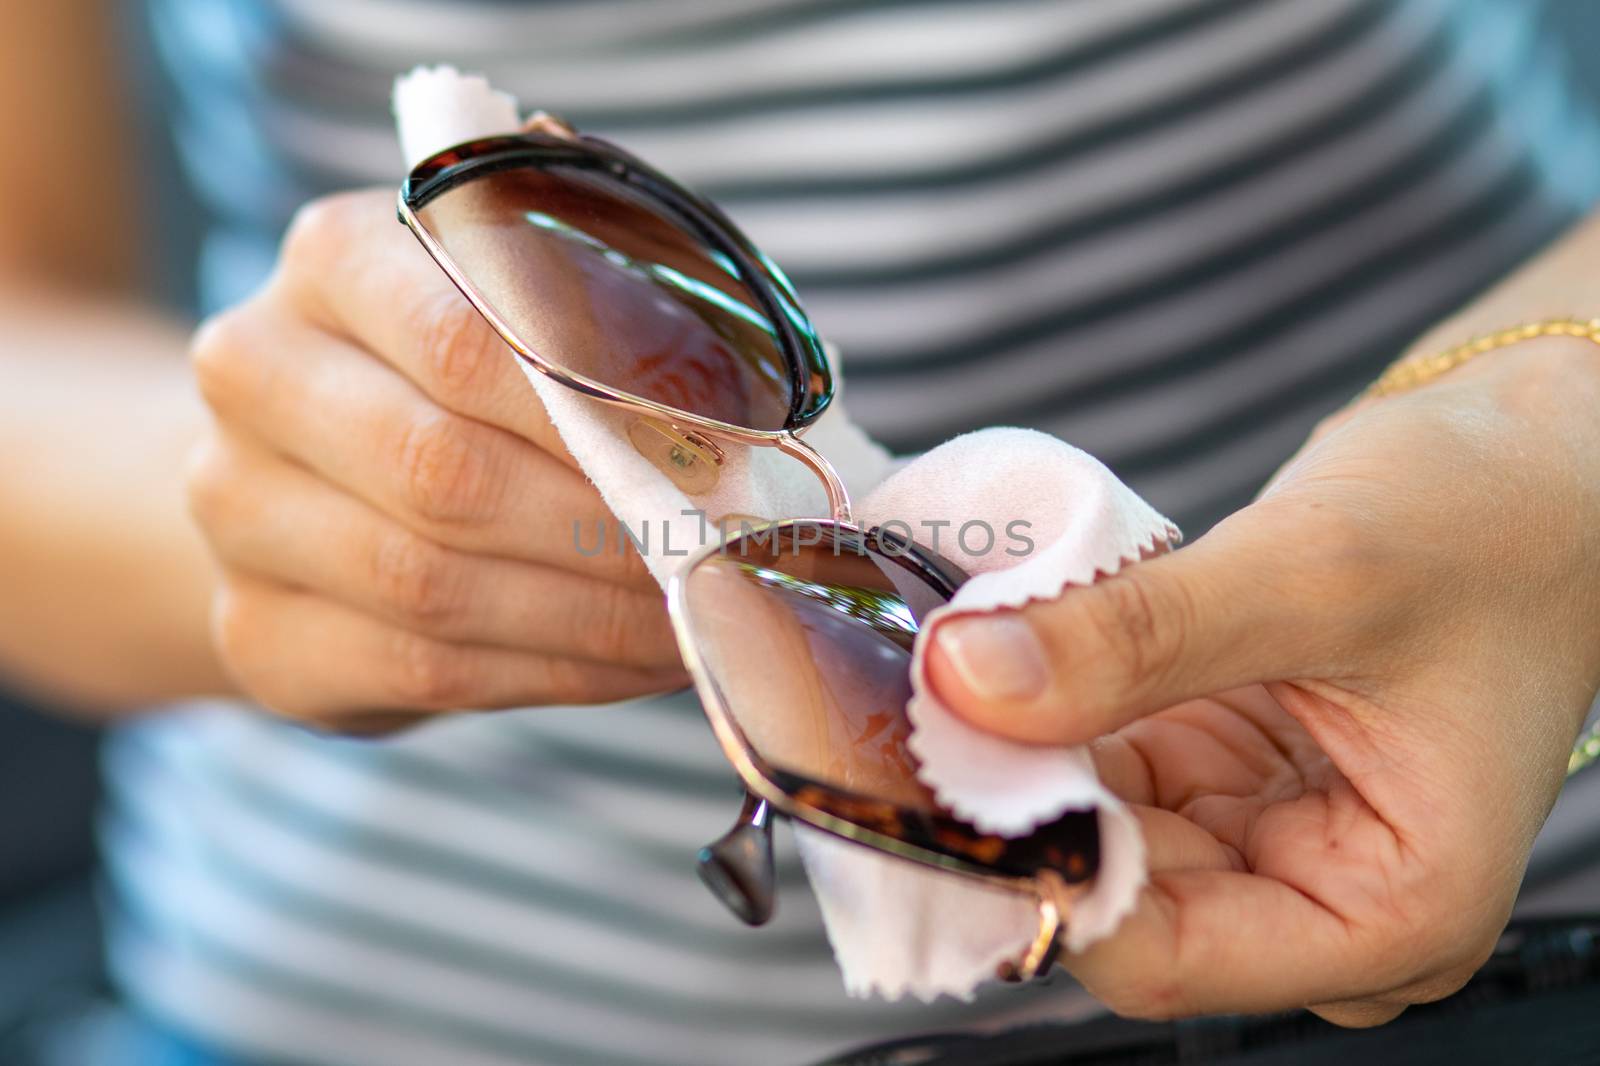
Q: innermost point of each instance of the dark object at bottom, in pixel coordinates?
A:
(1536, 1001)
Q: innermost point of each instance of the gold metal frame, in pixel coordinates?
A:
(1053, 897)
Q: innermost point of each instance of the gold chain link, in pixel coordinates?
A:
(1418, 370)
(1585, 752)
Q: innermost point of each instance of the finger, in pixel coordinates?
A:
(1208, 941)
(319, 662)
(268, 517)
(1246, 603)
(453, 479)
(1123, 768)
(352, 269)
(1216, 753)
(1172, 842)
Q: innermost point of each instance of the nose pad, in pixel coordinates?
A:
(738, 868)
(690, 460)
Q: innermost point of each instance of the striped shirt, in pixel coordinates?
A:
(1173, 232)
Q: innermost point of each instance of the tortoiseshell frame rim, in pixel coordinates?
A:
(811, 379)
(934, 840)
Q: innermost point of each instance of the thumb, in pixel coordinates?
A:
(1232, 609)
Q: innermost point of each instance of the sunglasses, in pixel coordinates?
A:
(607, 276)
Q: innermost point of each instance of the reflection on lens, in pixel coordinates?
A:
(596, 280)
(811, 650)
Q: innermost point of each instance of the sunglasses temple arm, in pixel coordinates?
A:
(1055, 900)
(739, 868)
(838, 497)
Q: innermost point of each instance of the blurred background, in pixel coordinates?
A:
(49, 946)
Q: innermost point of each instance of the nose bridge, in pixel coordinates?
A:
(838, 496)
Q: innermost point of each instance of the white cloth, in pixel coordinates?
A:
(896, 928)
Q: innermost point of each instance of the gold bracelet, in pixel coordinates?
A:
(1586, 752)
(1421, 369)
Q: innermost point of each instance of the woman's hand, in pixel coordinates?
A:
(1344, 713)
(392, 510)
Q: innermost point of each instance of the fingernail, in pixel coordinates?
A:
(997, 658)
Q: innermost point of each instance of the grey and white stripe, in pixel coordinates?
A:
(1174, 232)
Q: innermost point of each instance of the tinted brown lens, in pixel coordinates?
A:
(596, 280)
(811, 650)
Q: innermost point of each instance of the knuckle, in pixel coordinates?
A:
(607, 555)
(217, 353)
(570, 681)
(445, 471)
(427, 674)
(418, 580)
(315, 233)
(564, 681)
(459, 352)
(1136, 630)
(611, 627)
(207, 481)
(234, 626)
